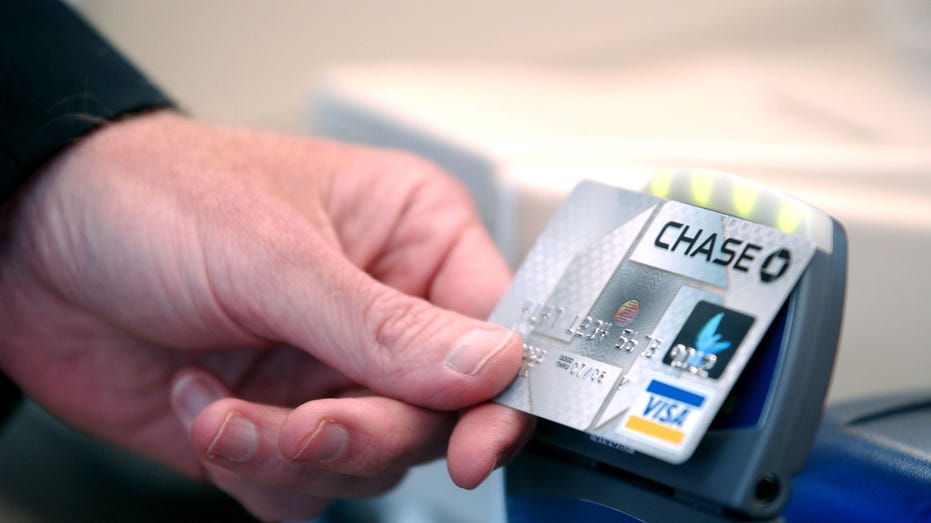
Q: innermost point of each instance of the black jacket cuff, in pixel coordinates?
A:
(59, 80)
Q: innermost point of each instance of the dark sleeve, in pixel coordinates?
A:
(59, 80)
(9, 397)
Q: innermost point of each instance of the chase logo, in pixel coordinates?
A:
(708, 339)
(664, 412)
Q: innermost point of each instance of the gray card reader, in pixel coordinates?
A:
(718, 355)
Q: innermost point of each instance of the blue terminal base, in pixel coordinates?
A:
(539, 509)
(545, 484)
(871, 462)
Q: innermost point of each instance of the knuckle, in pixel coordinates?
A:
(410, 163)
(405, 334)
(394, 321)
(383, 459)
(425, 177)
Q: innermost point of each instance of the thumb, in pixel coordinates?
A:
(397, 345)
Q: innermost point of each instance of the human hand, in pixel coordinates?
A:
(304, 303)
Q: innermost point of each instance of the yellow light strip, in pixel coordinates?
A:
(789, 217)
(744, 199)
(661, 182)
(702, 187)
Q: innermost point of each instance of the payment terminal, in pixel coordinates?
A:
(678, 345)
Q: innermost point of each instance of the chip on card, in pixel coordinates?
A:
(638, 315)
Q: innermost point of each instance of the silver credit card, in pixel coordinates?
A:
(638, 314)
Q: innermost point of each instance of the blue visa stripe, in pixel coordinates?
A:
(658, 387)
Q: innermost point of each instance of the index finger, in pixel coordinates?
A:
(473, 275)
(438, 248)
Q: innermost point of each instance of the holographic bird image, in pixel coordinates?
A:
(707, 341)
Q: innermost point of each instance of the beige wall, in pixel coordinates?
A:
(252, 62)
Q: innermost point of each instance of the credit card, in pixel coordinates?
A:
(638, 315)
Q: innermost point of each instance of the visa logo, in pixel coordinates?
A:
(665, 412)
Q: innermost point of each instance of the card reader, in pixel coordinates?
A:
(717, 321)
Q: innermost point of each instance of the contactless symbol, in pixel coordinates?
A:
(627, 312)
(710, 336)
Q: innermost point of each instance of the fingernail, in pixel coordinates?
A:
(236, 440)
(326, 443)
(191, 394)
(475, 348)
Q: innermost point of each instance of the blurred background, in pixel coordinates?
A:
(254, 63)
(828, 100)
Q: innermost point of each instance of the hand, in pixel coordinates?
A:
(305, 304)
